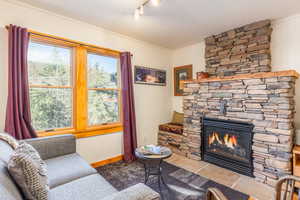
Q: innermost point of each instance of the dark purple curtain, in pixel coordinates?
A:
(129, 124)
(18, 120)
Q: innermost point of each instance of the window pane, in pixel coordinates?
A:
(51, 108)
(102, 71)
(103, 106)
(49, 65)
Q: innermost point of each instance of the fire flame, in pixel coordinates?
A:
(228, 140)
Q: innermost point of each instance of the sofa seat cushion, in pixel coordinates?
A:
(137, 192)
(93, 187)
(8, 188)
(172, 128)
(64, 169)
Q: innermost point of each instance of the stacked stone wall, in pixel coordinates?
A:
(240, 51)
(267, 103)
(177, 143)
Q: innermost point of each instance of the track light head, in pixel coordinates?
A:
(141, 10)
(155, 2)
(137, 14)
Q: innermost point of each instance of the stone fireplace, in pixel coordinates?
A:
(228, 143)
(264, 100)
(242, 117)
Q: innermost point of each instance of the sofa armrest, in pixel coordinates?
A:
(54, 146)
(136, 192)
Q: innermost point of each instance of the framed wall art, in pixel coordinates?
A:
(150, 76)
(181, 74)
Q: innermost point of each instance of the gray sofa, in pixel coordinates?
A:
(71, 177)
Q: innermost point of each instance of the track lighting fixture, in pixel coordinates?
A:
(140, 10)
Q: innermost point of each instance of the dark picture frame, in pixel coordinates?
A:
(150, 76)
(182, 73)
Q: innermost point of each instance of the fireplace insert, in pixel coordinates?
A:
(228, 144)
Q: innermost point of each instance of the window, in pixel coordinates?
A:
(103, 92)
(50, 83)
(74, 88)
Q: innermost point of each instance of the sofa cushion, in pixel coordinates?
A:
(29, 172)
(6, 151)
(177, 118)
(137, 192)
(8, 188)
(54, 146)
(172, 128)
(64, 169)
(93, 187)
(9, 139)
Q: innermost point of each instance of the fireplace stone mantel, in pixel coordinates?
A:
(292, 73)
(265, 100)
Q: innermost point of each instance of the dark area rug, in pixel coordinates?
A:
(181, 184)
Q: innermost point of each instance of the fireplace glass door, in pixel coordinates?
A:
(228, 144)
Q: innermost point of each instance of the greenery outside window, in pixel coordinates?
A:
(103, 89)
(50, 81)
(74, 88)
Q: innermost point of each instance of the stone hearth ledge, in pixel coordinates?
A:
(247, 76)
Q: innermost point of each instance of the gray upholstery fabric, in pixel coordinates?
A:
(54, 146)
(71, 178)
(136, 192)
(8, 188)
(64, 169)
(93, 187)
(5, 151)
(9, 139)
(29, 172)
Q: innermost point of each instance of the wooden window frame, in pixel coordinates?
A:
(80, 125)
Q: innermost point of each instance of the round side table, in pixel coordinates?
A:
(152, 163)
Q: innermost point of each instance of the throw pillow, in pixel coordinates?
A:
(9, 139)
(177, 118)
(29, 172)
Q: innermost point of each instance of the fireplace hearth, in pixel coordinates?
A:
(228, 144)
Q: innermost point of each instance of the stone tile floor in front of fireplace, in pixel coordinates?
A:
(223, 176)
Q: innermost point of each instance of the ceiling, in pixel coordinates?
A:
(174, 23)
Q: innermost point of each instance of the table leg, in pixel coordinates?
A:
(157, 171)
(163, 181)
(159, 184)
(160, 176)
(146, 174)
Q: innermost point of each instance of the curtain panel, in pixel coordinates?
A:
(18, 119)
(129, 121)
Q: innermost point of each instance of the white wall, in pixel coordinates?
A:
(153, 103)
(193, 54)
(285, 47)
(285, 50)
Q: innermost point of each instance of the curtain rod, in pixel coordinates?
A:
(68, 40)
